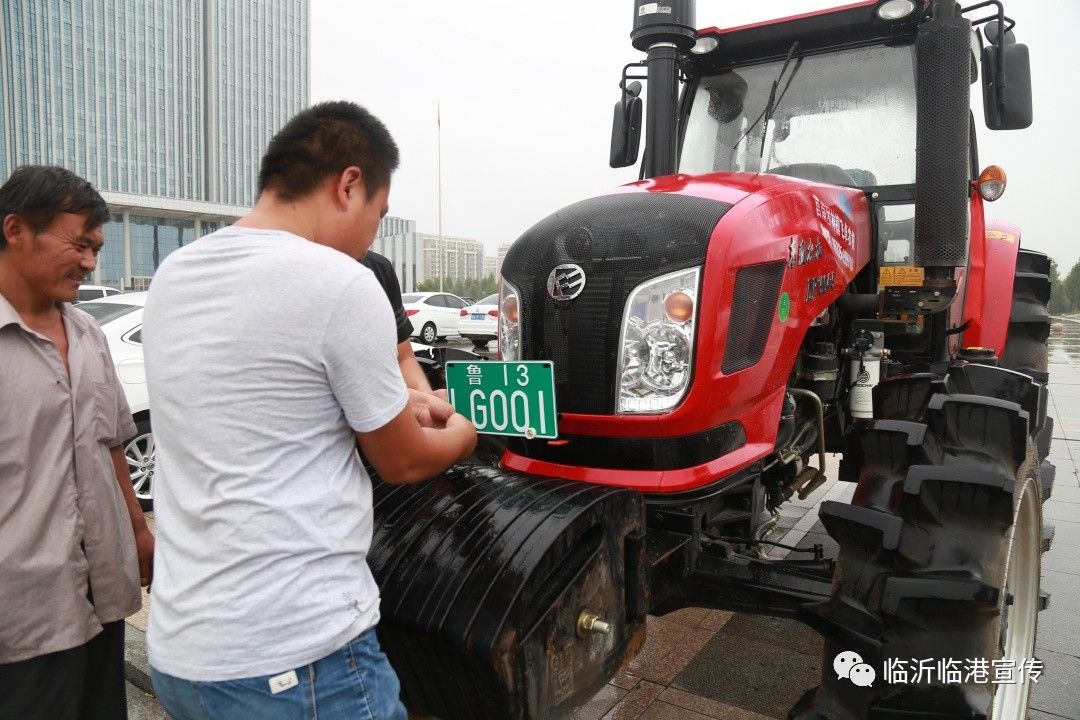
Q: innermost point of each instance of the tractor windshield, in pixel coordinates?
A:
(846, 118)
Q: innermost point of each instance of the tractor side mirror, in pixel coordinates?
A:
(1006, 81)
(992, 32)
(626, 127)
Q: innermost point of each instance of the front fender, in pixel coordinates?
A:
(988, 285)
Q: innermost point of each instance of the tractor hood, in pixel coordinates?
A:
(775, 252)
(651, 228)
(618, 241)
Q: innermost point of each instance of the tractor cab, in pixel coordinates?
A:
(842, 117)
(844, 97)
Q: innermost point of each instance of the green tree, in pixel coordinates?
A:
(475, 288)
(1060, 302)
(1071, 287)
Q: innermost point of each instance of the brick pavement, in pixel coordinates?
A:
(702, 664)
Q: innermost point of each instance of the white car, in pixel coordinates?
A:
(480, 322)
(434, 315)
(96, 292)
(120, 317)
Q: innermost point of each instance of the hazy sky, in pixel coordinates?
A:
(526, 91)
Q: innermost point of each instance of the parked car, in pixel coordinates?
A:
(480, 321)
(434, 315)
(120, 318)
(96, 292)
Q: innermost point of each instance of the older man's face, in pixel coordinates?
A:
(56, 260)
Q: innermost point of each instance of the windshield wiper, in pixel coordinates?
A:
(770, 106)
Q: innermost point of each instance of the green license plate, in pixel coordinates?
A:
(505, 398)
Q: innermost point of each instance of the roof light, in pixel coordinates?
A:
(991, 183)
(705, 45)
(895, 9)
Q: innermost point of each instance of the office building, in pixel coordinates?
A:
(398, 240)
(500, 256)
(463, 259)
(164, 105)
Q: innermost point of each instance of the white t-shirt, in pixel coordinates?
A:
(264, 353)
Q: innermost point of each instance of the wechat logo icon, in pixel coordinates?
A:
(850, 666)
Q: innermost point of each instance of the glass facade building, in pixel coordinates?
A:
(164, 105)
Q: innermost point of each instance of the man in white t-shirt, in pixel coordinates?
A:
(269, 352)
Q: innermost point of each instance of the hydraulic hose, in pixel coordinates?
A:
(820, 409)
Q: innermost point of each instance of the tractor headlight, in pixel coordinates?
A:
(656, 345)
(509, 321)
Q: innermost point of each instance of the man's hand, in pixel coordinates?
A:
(144, 546)
(144, 539)
(459, 419)
(431, 410)
(404, 452)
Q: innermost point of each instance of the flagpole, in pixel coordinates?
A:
(439, 242)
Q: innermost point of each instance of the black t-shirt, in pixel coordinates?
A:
(384, 273)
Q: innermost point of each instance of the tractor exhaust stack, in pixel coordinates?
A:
(943, 139)
(662, 29)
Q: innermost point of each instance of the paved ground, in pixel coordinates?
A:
(702, 664)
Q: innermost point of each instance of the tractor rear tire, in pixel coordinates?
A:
(1026, 345)
(939, 555)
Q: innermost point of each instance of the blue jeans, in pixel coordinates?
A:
(355, 682)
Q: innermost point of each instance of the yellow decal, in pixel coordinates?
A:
(901, 275)
(1001, 235)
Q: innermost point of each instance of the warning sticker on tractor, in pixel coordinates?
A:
(901, 276)
(653, 9)
(1001, 235)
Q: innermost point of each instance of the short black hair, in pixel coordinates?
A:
(39, 193)
(322, 141)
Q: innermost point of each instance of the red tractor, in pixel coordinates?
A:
(803, 268)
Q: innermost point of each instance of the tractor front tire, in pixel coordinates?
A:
(939, 557)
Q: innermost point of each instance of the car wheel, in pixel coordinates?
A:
(428, 333)
(140, 454)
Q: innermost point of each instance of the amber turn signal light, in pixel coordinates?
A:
(991, 183)
(679, 307)
(510, 308)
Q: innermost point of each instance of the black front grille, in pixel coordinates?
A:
(757, 290)
(619, 241)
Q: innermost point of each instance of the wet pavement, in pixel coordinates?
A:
(700, 664)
